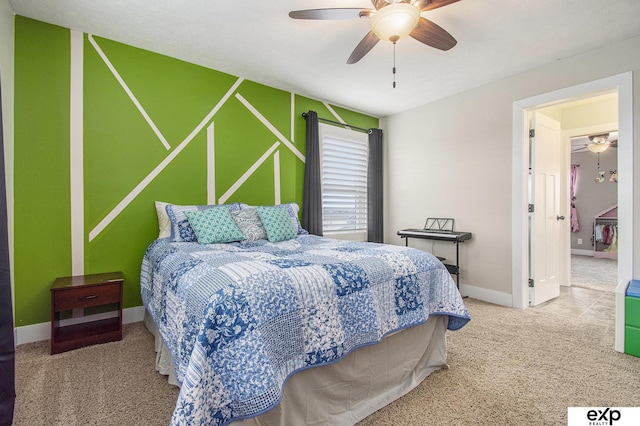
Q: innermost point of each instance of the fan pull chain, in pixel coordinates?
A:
(394, 64)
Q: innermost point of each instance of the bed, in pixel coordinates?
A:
(360, 324)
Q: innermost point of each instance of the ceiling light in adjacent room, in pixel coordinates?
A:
(598, 147)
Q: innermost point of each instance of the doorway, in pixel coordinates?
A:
(588, 144)
(622, 84)
(589, 140)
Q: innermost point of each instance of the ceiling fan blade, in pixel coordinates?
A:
(338, 13)
(432, 4)
(365, 45)
(379, 4)
(433, 35)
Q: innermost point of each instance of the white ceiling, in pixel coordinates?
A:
(258, 41)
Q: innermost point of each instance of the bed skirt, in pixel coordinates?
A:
(352, 388)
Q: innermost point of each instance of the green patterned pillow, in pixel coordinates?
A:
(277, 223)
(214, 225)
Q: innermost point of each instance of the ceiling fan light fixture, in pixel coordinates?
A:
(597, 147)
(395, 21)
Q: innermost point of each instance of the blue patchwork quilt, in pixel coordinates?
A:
(240, 318)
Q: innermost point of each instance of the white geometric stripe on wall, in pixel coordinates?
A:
(271, 127)
(335, 114)
(211, 161)
(276, 177)
(247, 174)
(160, 167)
(129, 93)
(76, 150)
(78, 243)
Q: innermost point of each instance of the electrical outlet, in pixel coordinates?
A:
(579, 240)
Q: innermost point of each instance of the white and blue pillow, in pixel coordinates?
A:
(250, 224)
(181, 230)
(164, 224)
(293, 209)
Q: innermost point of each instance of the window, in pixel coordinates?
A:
(343, 166)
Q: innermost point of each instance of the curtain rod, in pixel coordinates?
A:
(325, 120)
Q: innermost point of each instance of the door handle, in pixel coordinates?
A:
(560, 217)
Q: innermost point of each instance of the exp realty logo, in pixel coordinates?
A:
(603, 416)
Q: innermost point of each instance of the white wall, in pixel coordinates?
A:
(602, 112)
(453, 158)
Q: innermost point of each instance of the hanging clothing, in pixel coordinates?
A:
(575, 225)
(613, 245)
(606, 234)
(598, 233)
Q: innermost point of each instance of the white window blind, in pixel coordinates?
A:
(344, 167)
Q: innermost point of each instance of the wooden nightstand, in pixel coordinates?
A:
(86, 291)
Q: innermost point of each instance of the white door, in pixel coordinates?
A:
(546, 257)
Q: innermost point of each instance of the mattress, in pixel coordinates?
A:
(241, 319)
(352, 388)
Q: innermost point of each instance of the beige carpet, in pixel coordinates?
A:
(508, 367)
(594, 273)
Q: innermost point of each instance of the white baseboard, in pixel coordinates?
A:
(130, 315)
(620, 323)
(582, 252)
(486, 295)
(42, 331)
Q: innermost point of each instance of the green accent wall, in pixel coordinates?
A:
(121, 152)
(42, 228)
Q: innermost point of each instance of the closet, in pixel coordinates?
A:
(605, 234)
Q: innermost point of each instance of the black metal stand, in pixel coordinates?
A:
(453, 269)
(453, 237)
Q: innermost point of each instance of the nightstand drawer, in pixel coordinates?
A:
(83, 297)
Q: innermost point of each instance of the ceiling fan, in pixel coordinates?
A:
(595, 143)
(391, 20)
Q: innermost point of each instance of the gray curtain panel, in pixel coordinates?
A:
(7, 348)
(311, 196)
(374, 189)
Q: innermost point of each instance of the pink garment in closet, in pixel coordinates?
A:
(575, 226)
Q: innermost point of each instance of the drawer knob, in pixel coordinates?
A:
(91, 296)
